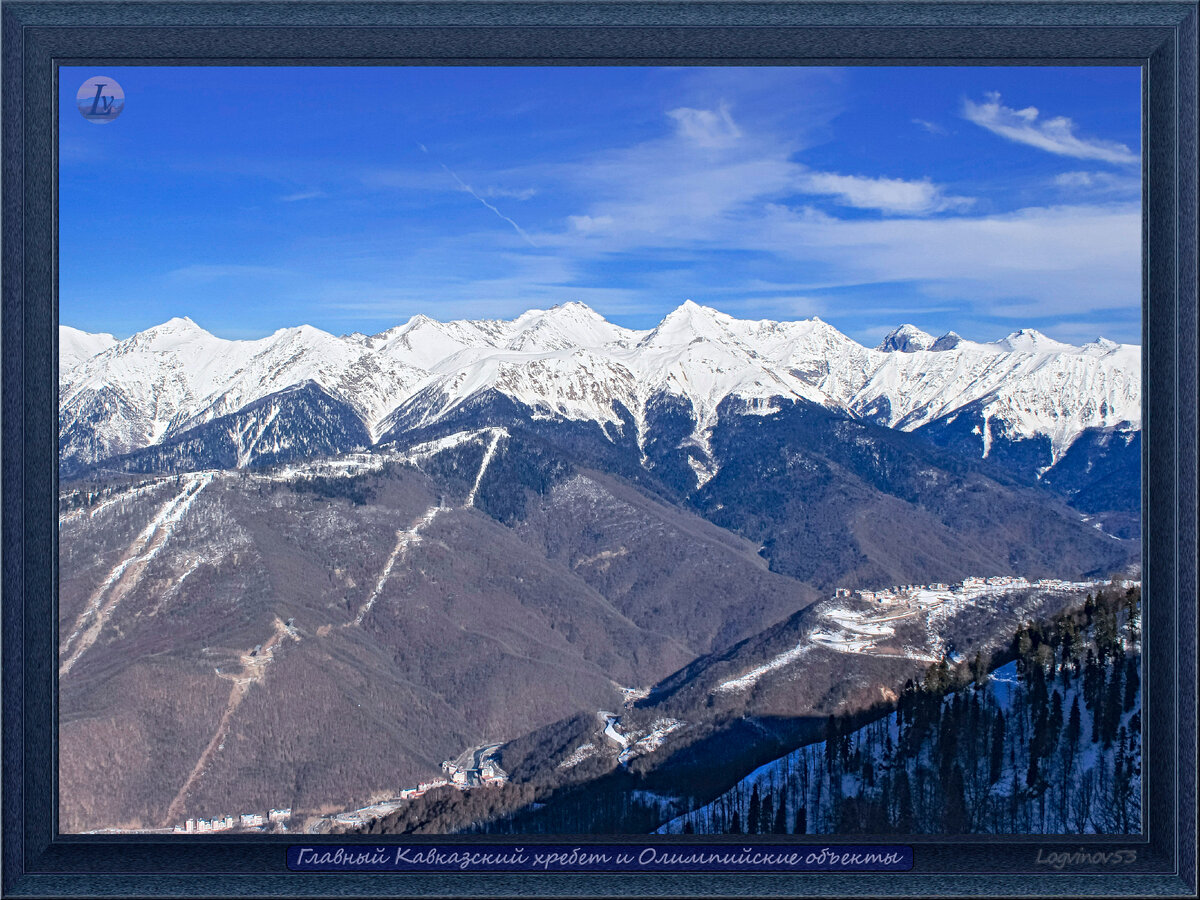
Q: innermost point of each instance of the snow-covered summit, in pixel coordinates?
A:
(75, 346)
(947, 341)
(906, 339)
(570, 362)
(1027, 340)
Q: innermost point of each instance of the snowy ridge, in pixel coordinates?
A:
(75, 346)
(865, 622)
(569, 363)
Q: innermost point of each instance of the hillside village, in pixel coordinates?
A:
(898, 593)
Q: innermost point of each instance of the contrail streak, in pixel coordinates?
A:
(466, 187)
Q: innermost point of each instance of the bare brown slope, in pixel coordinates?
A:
(315, 645)
(661, 565)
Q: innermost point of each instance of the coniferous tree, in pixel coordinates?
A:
(905, 818)
(947, 741)
(996, 759)
(1074, 726)
(800, 825)
(1040, 736)
(954, 815)
(752, 815)
(1039, 697)
(1133, 681)
(779, 826)
(979, 671)
(766, 816)
(1055, 723)
(1112, 706)
(1091, 675)
(1133, 597)
(735, 826)
(831, 743)
(1023, 647)
(1096, 705)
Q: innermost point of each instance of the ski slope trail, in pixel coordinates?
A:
(483, 466)
(128, 572)
(253, 670)
(404, 540)
(120, 497)
(247, 438)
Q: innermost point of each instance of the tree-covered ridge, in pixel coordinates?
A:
(1048, 742)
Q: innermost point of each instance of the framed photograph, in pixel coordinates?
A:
(599, 449)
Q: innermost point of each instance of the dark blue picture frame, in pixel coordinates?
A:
(1160, 38)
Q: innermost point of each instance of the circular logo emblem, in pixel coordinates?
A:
(100, 99)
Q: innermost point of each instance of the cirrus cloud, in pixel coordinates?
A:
(889, 195)
(1056, 135)
(706, 127)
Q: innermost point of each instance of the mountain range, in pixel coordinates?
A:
(1038, 409)
(571, 364)
(448, 534)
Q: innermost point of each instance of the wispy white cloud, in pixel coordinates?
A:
(302, 195)
(1056, 135)
(1058, 259)
(711, 173)
(1099, 182)
(586, 224)
(889, 195)
(706, 127)
(201, 273)
(527, 280)
(931, 127)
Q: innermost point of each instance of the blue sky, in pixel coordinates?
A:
(975, 199)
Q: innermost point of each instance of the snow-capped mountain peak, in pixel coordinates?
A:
(565, 326)
(1028, 340)
(947, 341)
(1101, 346)
(75, 346)
(906, 339)
(686, 323)
(569, 362)
(171, 334)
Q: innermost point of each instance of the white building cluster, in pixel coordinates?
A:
(205, 826)
(900, 592)
(224, 823)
